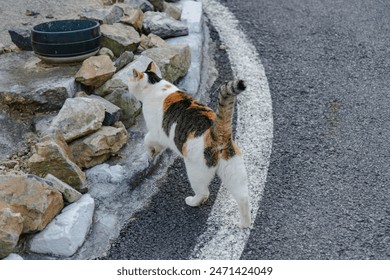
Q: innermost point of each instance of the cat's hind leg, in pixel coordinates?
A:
(200, 177)
(233, 175)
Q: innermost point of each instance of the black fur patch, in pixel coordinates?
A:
(228, 151)
(189, 120)
(211, 156)
(241, 85)
(152, 77)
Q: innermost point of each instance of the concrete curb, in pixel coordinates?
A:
(192, 14)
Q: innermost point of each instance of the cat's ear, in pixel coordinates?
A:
(137, 75)
(152, 67)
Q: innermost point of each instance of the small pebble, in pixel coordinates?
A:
(30, 13)
(222, 47)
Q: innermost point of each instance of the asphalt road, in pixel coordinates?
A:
(328, 188)
(327, 194)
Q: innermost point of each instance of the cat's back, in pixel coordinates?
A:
(189, 115)
(190, 118)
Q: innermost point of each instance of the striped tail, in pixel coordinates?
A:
(227, 96)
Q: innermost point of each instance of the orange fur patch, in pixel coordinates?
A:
(172, 98)
(208, 141)
(166, 87)
(210, 114)
(231, 150)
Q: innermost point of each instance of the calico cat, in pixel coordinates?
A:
(203, 138)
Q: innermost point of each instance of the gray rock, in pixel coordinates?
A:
(81, 94)
(12, 133)
(112, 112)
(78, 117)
(119, 38)
(67, 232)
(163, 25)
(54, 157)
(174, 61)
(106, 51)
(172, 10)
(98, 147)
(133, 17)
(42, 123)
(104, 16)
(124, 59)
(130, 107)
(115, 84)
(95, 71)
(152, 41)
(158, 5)
(28, 85)
(68, 193)
(32, 197)
(108, 2)
(21, 38)
(144, 5)
(11, 226)
(2, 48)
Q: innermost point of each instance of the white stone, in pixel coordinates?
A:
(13, 257)
(104, 173)
(192, 14)
(67, 232)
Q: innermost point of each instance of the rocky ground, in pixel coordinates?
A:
(61, 123)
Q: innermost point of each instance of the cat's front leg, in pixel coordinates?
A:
(153, 147)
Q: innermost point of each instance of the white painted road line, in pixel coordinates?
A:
(223, 239)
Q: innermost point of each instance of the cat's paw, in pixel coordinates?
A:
(151, 152)
(195, 201)
(154, 151)
(191, 201)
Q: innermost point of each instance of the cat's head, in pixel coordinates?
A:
(142, 81)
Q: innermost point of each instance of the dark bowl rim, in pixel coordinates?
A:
(62, 44)
(97, 24)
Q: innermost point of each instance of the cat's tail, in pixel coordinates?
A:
(227, 97)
